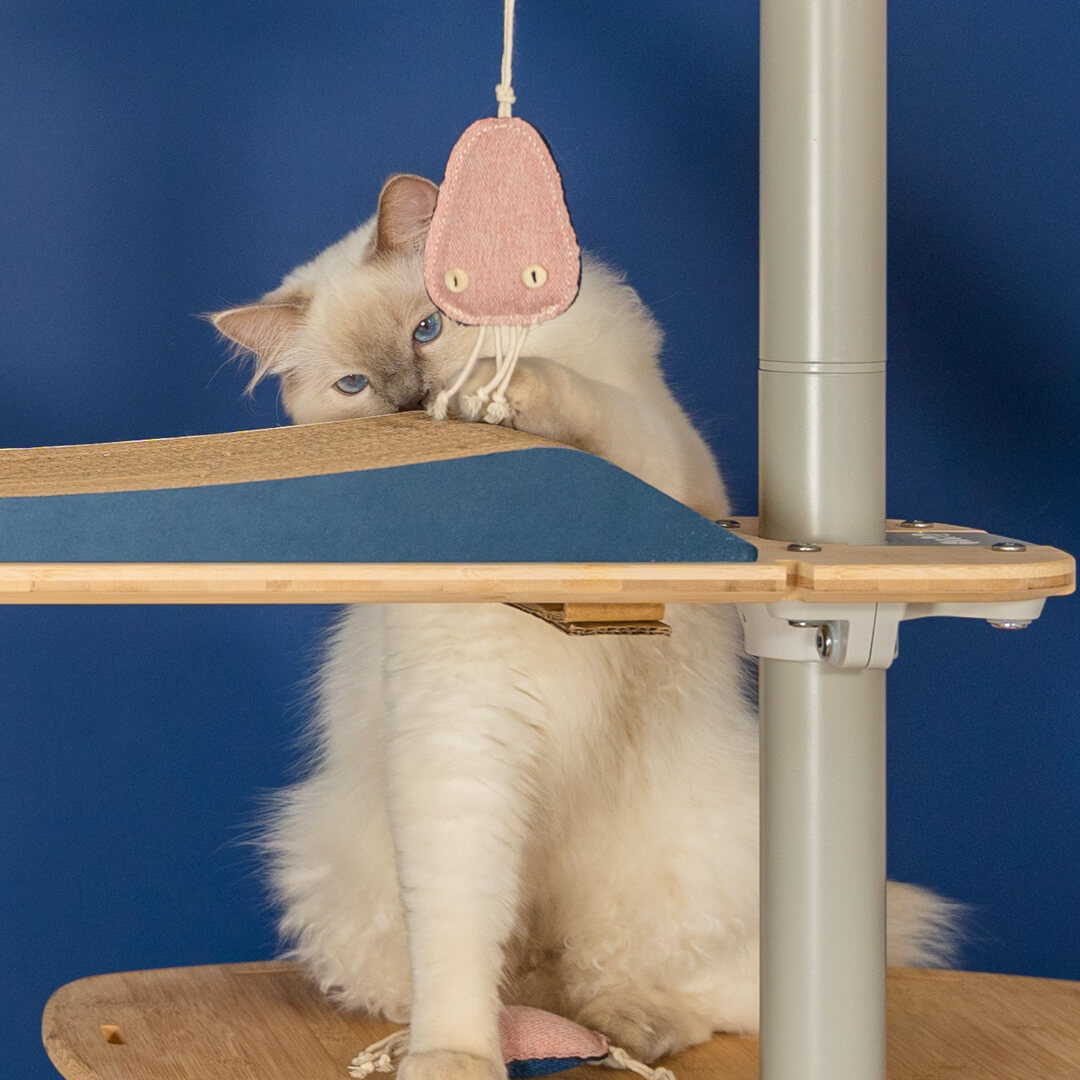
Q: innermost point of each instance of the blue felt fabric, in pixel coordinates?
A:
(522, 1070)
(536, 505)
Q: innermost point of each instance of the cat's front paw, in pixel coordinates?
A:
(449, 1065)
(646, 1025)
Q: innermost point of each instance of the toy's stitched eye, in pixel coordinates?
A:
(351, 384)
(534, 276)
(456, 280)
(428, 329)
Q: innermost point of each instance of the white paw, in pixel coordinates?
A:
(449, 1065)
(646, 1025)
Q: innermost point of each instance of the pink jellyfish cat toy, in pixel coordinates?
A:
(501, 253)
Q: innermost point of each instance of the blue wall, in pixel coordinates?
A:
(160, 160)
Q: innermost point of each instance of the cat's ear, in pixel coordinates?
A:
(405, 208)
(258, 328)
(262, 328)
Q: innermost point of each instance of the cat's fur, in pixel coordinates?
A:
(493, 807)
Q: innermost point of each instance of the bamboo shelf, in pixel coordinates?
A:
(265, 1021)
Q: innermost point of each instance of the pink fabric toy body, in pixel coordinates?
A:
(534, 1043)
(538, 1043)
(501, 253)
(501, 250)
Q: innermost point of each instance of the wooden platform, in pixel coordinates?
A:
(265, 1022)
(932, 573)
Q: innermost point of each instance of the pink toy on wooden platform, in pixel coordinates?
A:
(533, 1042)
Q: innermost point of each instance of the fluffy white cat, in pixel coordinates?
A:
(495, 811)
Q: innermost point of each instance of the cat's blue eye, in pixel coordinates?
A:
(351, 384)
(428, 329)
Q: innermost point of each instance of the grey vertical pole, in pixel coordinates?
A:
(822, 477)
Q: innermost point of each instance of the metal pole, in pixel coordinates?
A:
(822, 478)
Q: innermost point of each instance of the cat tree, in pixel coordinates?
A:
(822, 581)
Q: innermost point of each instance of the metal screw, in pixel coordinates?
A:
(729, 523)
(1012, 624)
(1010, 545)
(915, 523)
(824, 641)
(804, 547)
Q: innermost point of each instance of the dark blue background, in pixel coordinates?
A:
(160, 160)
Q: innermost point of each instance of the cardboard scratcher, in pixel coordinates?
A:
(583, 620)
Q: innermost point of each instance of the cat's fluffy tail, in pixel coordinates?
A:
(923, 928)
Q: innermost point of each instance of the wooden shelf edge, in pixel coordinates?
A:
(385, 583)
(838, 573)
(267, 1019)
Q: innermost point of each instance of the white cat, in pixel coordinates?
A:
(495, 810)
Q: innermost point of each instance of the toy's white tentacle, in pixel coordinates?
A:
(440, 406)
(499, 409)
(618, 1058)
(380, 1056)
(474, 404)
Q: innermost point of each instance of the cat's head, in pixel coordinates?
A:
(353, 332)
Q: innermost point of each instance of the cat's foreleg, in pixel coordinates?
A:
(649, 437)
(458, 817)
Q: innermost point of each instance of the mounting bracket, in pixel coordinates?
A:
(858, 636)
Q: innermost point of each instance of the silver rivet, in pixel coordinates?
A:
(729, 523)
(1011, 624)
(915, 523)
(804, 547)
(824, 641)
(1010, 545)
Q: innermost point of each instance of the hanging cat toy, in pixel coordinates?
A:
(501, 254)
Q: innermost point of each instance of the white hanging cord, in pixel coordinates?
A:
(504, 92)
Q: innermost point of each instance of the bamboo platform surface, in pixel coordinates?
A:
(264, 1021)
(838, 573)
